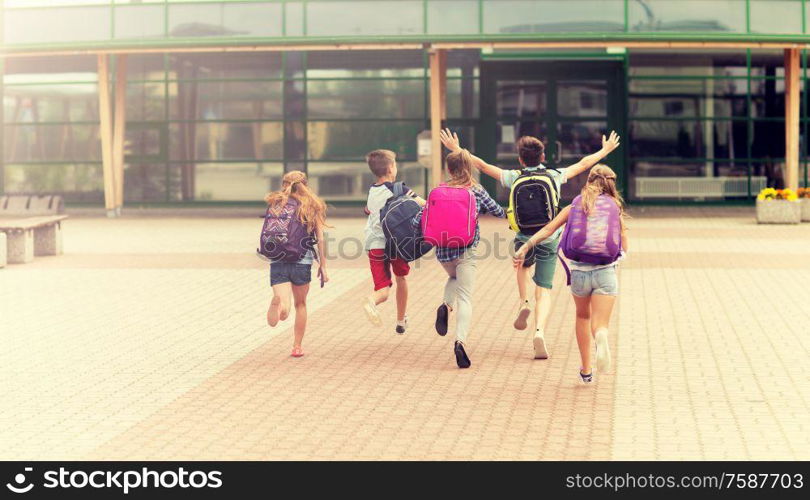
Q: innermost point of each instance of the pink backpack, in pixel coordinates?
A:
(450, 217)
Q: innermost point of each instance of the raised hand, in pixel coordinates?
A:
(611, 142)
(449, 139)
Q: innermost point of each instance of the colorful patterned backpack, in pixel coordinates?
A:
(595, 237)
(284, 237)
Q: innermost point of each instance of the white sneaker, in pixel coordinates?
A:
(372, 313)
(523, 316)
(540, 351)
(602, 351)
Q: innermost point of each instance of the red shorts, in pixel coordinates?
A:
(381, 268)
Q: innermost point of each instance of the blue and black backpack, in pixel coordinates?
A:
(403, 238)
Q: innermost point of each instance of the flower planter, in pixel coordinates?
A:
(779, 212)
(805, 203)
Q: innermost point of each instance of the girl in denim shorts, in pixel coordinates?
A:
(291, 279)
(594, 287)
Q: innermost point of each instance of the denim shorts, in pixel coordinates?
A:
(596, 282)
(290, 272)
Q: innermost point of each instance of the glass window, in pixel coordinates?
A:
(452, 17)
(688, 15)
(351, 140)
(582, 98)
(768, 140)
(688, 139)
(43, 142)
(543, 16)
(521, 98)
(227, 141)
(508, 132)
(235, 181)
(579, 139)
(145, 67)
(50, 103)
(350, 180)
(667, 169)
(294, 21)
(364, 17)
(76, 182)
(145, 142)
(50, 69)
(462, 98)
(143, 21)
(684, 63)
(233, 65)
(227, 100)
(366, 98)
(225, 19)
(65, 24)
(776, 16)
(146, 101)
(366, 63)
(144, 182)
(678, 98)
(52, 3)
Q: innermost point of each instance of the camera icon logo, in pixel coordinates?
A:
(19, 485)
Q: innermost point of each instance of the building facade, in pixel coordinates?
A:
(219, 98)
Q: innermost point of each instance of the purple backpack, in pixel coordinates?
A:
(284, 237)
(593, 238)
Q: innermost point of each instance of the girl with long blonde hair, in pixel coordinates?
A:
(291, 279)
(459, 262)
(594, 286)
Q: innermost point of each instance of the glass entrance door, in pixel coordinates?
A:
(566, 104)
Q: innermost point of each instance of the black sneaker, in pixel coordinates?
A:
(441, 320)
(401, 326)
(461, 356)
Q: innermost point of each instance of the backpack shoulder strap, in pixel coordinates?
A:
(398, 188)
(565, 266)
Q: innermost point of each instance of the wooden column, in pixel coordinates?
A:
(119, 129)
(792, 72)
(438, 110)
(106, 126)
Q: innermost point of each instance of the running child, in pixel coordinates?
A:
(543, 255)
(595, 239)
(456, 254)
(383, 164)
(293, 229)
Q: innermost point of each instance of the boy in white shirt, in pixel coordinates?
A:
(383, 164)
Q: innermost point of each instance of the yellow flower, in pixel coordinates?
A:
(768, 194)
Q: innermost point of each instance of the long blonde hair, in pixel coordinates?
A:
(601, 180)
(311, 209)
(459, 166)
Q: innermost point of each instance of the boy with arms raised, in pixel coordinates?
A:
(531, 154)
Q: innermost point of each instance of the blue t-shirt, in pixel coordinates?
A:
(560, 177)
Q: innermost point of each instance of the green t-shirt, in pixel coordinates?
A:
(560, 177)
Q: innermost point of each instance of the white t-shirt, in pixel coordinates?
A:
(378, 194)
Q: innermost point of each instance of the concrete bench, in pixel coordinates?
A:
(32, 236)
(28, 205)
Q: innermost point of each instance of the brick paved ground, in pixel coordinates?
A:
(147, 340)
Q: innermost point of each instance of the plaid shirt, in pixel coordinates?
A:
(483, 204)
